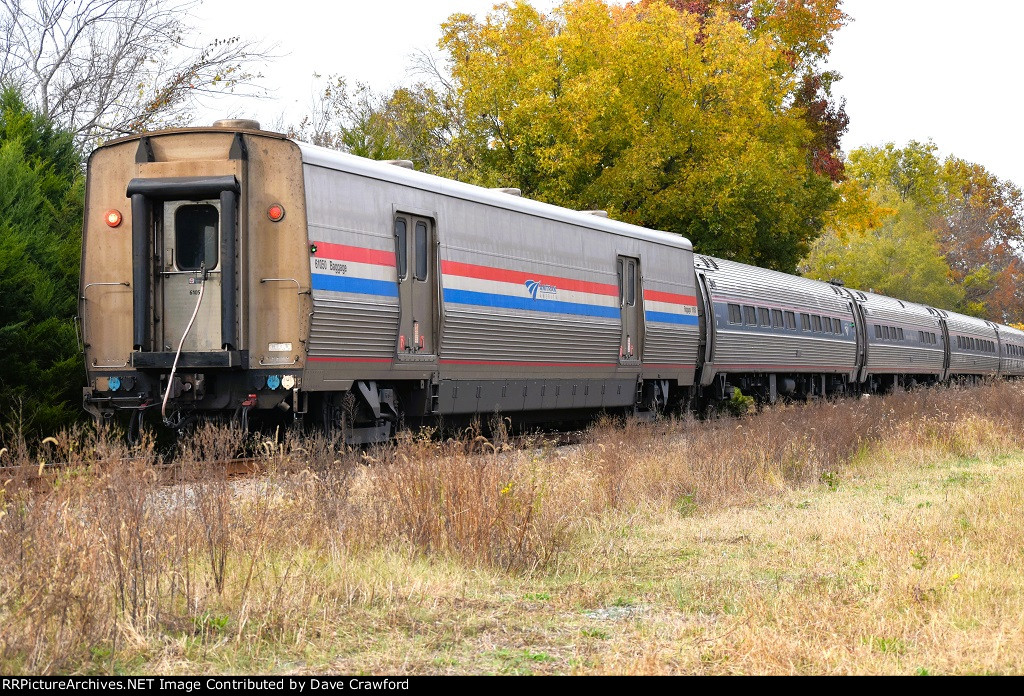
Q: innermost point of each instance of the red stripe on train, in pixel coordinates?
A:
(343, 252)
(526, 363)
(772, 366)
(468, 270)
(318, 358)
(671, 297)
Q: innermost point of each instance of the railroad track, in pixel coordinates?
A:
(45, 475)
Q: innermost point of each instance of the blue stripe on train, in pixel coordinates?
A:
(669, 318)
(363, 286)
(486, 299)
(387, 288)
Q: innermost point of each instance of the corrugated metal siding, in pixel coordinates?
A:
(670, 345)
(507, 335)
(888, 358)
(739, 348)
(350, 324)
(351, 328)
(909, 355)
(1012, 366)
(490, 257)
(967, 361)
(666, 343)
(579, 265)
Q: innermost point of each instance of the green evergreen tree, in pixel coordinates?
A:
(41, 199)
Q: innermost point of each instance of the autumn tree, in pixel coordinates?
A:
(982, 234)
(881, 236)
(802, 34)
(899, 257)
(670, 119)
(104, 68)
(951, 224)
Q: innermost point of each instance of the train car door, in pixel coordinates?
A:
(630, 310)
(190, 252)
(417, 285)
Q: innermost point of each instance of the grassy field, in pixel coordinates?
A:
(878, 535)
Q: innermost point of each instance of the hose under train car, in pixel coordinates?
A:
(177, 355)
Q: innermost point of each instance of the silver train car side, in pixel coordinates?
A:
(247, 272)
(229, 271)
(905, 341)
(771, 333)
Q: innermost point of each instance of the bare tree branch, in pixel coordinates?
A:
(103, 68)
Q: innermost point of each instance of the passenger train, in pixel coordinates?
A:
(229, 270)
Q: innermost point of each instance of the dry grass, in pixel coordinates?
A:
(875, 535)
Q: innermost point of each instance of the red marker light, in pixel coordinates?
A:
(275, 212)
(113, 218)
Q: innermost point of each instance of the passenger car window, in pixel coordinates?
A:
(878, 331)
(805, 322)
(750, 315)
(735, 315)
(790, 320)
(776, 318)
(763, 317)
(817, 322)
(195, 237)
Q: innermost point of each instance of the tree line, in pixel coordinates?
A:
(713, 119)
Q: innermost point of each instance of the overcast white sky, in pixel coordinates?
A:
(948, 70)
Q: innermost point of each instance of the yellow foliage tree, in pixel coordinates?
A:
(666, 118)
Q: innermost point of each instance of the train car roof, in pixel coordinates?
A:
(969, 320)
(384, 171)
(1010, 331)
(907, 306)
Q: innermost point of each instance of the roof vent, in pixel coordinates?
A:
(237, 124)
(509, 191)
(596, 213)
(404, 164)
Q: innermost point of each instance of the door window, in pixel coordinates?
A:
(421, 251)
(401, 248)
(630, 283)
(195, 237)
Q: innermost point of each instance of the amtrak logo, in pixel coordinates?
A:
(540, 290)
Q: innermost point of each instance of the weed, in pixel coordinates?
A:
(329, 552)
(893, 646)
(685, 505)
(739, 404)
